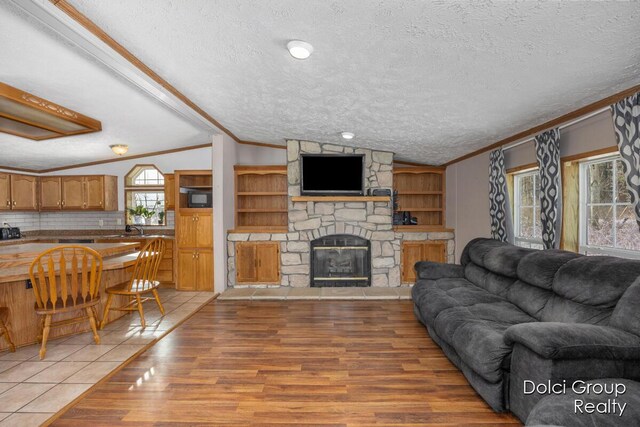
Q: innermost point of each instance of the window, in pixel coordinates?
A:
(607, 220)
(144, 196)
(527, 225)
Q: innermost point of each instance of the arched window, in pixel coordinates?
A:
(144, 196)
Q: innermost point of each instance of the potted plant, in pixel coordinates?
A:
(138, 214)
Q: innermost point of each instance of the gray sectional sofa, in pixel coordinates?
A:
(509, 314)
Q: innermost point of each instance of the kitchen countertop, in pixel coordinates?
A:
(53, 238)
(15, 260)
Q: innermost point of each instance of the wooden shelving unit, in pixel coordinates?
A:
(261, 198)
(340, 199)
(421, 191)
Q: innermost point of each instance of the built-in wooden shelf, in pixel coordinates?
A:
(258, 229)
(421, 191)
(261, 197)
(421, 228)
(340, 198)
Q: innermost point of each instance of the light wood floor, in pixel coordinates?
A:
(333, 363)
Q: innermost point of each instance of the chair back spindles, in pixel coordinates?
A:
(147, 264)
(67, 275)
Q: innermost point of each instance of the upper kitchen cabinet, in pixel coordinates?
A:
(76, 193)
(18, 192)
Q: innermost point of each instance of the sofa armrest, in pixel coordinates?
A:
(553, 340)
(438, 270)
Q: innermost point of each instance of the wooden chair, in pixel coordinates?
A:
(66, 279)
(143, 281)
(4, 314)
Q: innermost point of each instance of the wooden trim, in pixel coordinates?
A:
(422, 229)
(592, 153)
(404, 162)
(332, 199)
(80, 18)
(123, 158)
(522, 168)
(259, 169)
(594, 106)
(421, 169)
(12, 169)
(262, 144)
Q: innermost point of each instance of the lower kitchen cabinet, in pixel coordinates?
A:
(258, 262)
(195, 271)
(420, 250)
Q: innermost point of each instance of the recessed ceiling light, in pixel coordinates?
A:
(299, 49)
(347, 135)
(119, 149)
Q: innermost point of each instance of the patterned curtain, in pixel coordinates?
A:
(626, 123)
(548, 155)
(499, 207)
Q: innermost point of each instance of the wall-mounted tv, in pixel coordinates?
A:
(332, 175)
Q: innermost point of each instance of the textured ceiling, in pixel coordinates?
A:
(34, 59)
(428, 80)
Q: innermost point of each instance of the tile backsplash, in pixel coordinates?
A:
(35, 221)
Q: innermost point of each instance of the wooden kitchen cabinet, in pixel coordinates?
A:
(195, 230)
(93, 192)
(257, 262)
(421, 250)
(5, 191)
(169, 191)
(196, 269)
(50, 193)
(18, 192)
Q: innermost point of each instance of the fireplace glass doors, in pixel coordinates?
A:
(340, 260)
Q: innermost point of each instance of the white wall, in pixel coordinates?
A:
(468, 181)
(224, 158)
(256, 155)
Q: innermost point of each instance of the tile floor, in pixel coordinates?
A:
(31, 390)
(284, 293)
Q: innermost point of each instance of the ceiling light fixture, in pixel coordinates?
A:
(299, 49)
(29, 116)
(119, 149)
(347, 135)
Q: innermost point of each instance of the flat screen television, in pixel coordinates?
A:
(332, 175)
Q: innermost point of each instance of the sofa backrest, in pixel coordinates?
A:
(553, 285)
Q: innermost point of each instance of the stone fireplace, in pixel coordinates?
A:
(316, 223)
(340, 260)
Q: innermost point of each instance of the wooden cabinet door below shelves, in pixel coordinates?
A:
(187, 270)
(268, 256)
(24, 192)
(187, 231)
(246, 271)
(72, 193)
(204, 279)
(50, 193)
(204, 230)
(5, 191)
(94, 192)
(413, 252)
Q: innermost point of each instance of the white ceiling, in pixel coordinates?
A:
(428, 80)
(36, 60)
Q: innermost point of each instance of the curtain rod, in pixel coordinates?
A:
(565, 125)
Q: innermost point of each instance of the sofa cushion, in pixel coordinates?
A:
(504, 260)
(477, 249)
(540, 267)
(626, 315)
(487, 280)
(434, 296)
(477, 334)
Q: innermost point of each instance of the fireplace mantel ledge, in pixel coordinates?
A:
(331, 199)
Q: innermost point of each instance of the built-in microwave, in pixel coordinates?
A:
(199, 199)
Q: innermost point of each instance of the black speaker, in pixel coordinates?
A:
(380, 192)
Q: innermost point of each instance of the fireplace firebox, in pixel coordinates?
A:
(340, 260)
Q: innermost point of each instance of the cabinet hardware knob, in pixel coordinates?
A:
(14, 203)
(8, 203)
